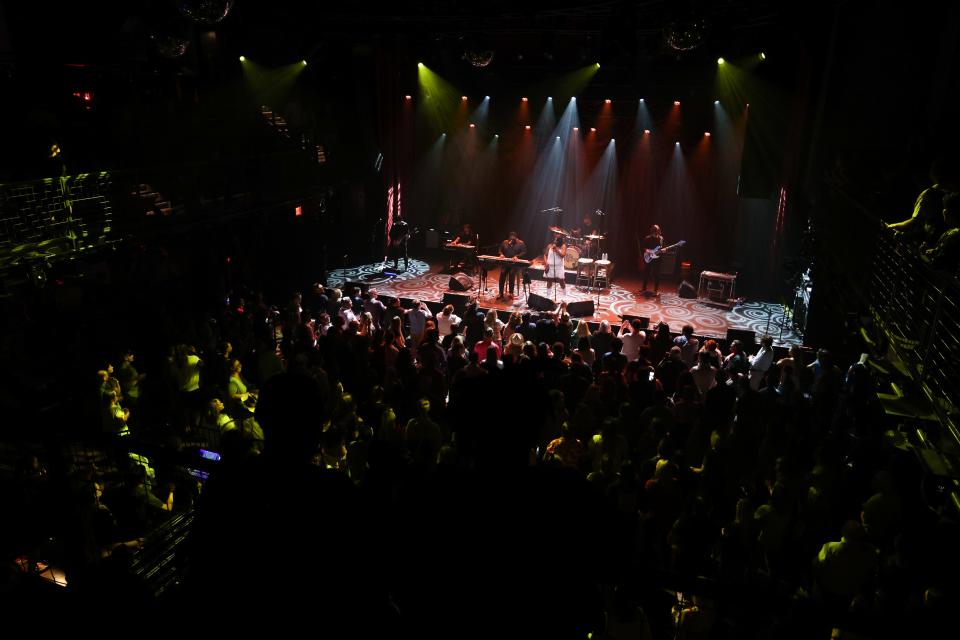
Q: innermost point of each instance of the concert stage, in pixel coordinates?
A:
(428, 282)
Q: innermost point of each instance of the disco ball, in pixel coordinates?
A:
(685, 36)
(205, 11)
(479, 59)
(170, 46)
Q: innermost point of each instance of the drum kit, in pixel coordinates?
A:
(577, 247)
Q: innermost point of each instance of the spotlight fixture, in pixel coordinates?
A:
(706, 134)
(558, 137)
(720, 61)
(524, 99)
(607, 101)
(408, 97)
(646, 132)
(716, 102)
(596, 64)
(243, 58)
(676, 103)
(526, 127)
(486, 97)
(593, 129)
(473, 126)
(677, 143)
(420, 65)
(576, 128)
(496, 135)
(642, 100)
(303, 62)
(573, 99)
(549, 97)
(613, 139)
(463, 98)
(763, 56)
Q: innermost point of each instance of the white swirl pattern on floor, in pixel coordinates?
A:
(706, 319)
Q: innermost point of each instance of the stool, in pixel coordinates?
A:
(600, 274)
(584, 272)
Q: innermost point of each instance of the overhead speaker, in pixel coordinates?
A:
(580, 309)
(460, 282)
(686, 290)
(458, 300)
(539, 303)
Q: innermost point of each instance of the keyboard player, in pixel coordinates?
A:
(467, 240)
(513, 247)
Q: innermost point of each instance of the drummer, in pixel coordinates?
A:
(585, 229)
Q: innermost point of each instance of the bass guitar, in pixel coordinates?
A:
(649, 255)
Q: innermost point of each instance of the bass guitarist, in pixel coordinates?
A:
(652, 242)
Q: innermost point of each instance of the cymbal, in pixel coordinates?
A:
(560, 230)
(594, 236)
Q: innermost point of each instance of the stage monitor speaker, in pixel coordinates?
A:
(349, 286)
(458, 300)
(460, 282)
(686, 290)
(748, 338)
(580, 309)
(539, 303)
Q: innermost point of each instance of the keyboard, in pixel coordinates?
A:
(504, 261)
(456, 246)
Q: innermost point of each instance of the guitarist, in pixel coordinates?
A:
(653, 240)
(399, 231)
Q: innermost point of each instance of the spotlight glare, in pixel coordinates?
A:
(420, 65)
(613, 139)
(486, 97)
(523, 99)
(593, 129)
(526, 127)
(596, 64)
(716, 102)
(549, 97)
(463, 98)
(763, 56)
(642, 100)
(496, 135)
(576, 128)
(473, 126)
(677, 143)
(573, 99)
(243, 58)
(646, 132)
(558, 137)
(303, 62)
(676, 103)
(408, 97)
(706, 134)
(607, 101)
(720, 61)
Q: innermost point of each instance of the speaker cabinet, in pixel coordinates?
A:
(581, 308)
(539, 303)
(460, 282)
(686, 290)
(458, 300)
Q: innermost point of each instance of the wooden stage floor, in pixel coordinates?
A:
(427, 282)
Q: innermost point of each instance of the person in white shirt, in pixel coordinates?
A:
(417, 316)
(495, 323)
(346, 312)
(375, 308)
(633, 338)
(447, 320)
(761, 362)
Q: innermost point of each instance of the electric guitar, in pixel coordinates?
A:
(649, 255)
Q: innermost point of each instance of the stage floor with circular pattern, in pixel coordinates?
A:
(427, 282)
